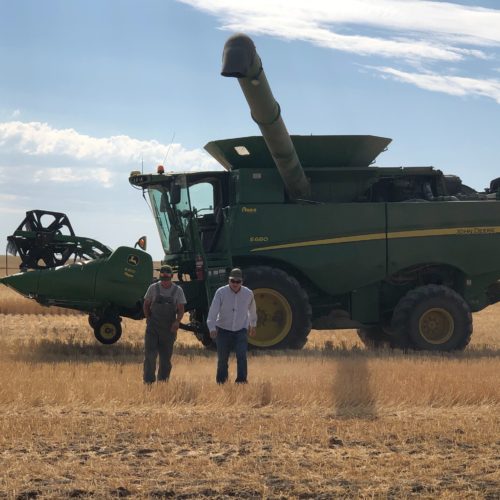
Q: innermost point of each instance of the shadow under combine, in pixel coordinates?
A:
(58, 351)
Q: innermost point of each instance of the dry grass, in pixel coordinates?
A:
(333, 420)
(12, 302)
(9, 264)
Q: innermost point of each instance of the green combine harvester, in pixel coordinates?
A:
(326, 240)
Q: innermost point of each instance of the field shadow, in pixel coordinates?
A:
(351, 390)
(343, 351)
(58, 351)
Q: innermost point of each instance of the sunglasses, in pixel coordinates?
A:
(235, 281)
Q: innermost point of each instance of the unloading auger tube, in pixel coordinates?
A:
(240, 60)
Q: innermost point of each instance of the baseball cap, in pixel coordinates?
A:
(236, 274)
(166, 272)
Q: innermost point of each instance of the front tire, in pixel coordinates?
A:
(108, 330)
(283, 309)
(93, 320)
(432, 318)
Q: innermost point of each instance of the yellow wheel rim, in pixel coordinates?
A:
(107, 331)
(436, 326)
(274, 317)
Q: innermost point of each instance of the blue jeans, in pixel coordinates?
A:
(226, 342)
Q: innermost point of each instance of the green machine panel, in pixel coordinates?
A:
(466, 235)
(321, 241)
(259, 186)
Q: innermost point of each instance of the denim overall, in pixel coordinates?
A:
(159, 339)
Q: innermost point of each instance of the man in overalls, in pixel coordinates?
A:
(164, 308)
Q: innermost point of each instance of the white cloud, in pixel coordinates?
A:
(453, 85)
(411, 29)
(8, 197)
(442, 36)
(35, 144)
(68, 174)
(10, 210)
(16, 113)
(8, 204)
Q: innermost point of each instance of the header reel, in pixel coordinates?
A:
(46, 240)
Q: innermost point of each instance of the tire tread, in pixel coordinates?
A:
(417, 295)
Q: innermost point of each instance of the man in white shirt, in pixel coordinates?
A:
(231, 317)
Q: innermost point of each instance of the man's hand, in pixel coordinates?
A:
(175, 326)
(213, 334)
(147, 308)
(252, 331)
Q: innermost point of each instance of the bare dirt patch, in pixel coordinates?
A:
(251, 453)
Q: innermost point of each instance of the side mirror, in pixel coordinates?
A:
(175, 194)
(141, 243)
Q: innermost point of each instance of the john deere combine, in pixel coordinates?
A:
(325, 239)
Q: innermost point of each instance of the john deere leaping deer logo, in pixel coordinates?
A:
(133, 260)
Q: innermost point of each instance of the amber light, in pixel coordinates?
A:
(160, 169)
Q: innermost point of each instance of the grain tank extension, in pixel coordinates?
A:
(325, 239)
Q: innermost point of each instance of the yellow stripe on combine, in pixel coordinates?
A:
(453, 231)
(417, 233)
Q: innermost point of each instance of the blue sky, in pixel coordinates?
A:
(90, 89)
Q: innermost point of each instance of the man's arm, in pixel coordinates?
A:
(252, 310)
(147, 307)
(213, 312)
(148, 301)
(180, 314)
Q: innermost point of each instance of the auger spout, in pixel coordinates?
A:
(240, 60)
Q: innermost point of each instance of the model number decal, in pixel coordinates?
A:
(249, 210)
(258, 239)
(476, 230)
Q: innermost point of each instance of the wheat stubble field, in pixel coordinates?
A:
(331, 421)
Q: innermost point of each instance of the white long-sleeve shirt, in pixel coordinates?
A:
(232, 311)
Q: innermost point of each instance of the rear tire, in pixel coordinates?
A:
(432, 318)
(108, 330)
(283, 309)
